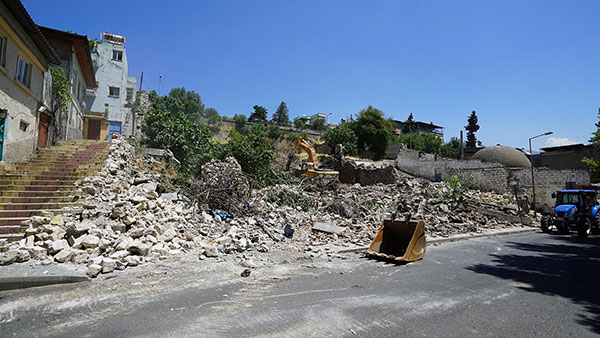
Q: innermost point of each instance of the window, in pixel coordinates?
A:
(129, 94)
(23, 72)
(23, 125)
(2, 51)
(113, 91)
(117, 55)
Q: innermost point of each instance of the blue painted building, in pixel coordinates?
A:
(110, 104)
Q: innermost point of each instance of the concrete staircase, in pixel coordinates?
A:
(46, 183)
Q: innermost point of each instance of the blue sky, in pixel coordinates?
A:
(526, 67)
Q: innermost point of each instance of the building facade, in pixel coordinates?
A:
(76, 61)
(110, 104)
(25, 83)
(420, 128)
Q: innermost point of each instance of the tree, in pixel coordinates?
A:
(259, 114)
(373, 131)
(592, 164)
(213, 116)
(472, 127)
(409, 125)
(187, 102)
(343, 135)
(318, 124)
(452, 148)
(281, 116)
(300, 122)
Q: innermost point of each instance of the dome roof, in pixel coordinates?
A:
(508, 156)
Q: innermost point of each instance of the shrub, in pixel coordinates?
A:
(343, 135)
(373, 131)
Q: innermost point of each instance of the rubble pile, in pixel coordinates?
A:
(124, 222)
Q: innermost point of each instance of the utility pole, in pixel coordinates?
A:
(532, 175)
(462, 148)
(141, 81)
(159, 79)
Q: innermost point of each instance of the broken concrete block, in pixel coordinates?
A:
(93, 270)
(108, 265)
(64, 255)
(57, 246)
(328, 228)
(90, 241)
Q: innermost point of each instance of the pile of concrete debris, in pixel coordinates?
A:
(124, 221)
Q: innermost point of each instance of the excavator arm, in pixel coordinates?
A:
(311, 169)
(312, 154)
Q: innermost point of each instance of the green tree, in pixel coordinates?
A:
(472, 127)
(409, 124)
(592, 164)
(187, 102)
(189, 142)
(213, 116)
(374, 132)
(281, 116)
(451, 149)
(412, 140)
(300, 122)
(343, 135)
(318, 124)
(258, 115)
(432, 144)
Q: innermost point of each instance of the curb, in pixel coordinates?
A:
(11, 283)
(457, 238)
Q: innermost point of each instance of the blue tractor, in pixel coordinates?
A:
(575, 209)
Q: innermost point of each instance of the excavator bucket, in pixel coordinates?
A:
(402, 241)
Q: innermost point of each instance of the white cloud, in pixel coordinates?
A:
(558, 141)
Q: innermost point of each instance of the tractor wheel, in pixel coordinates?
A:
(545, 224)
(596, 225)
(584, 227)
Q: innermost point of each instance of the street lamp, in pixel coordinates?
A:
(532, 176)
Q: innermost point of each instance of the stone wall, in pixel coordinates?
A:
(494, 176)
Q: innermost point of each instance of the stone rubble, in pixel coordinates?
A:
(125, 222)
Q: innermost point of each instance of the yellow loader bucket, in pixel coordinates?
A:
(402, 241)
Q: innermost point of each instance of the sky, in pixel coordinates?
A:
(525, 67)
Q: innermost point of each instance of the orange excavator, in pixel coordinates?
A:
(310, 168)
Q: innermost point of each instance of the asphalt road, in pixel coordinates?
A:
(528, 285)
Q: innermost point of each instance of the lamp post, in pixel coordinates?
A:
(532, 176)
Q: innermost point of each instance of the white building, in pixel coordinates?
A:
(110, 104)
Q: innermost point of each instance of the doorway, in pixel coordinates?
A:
(93, 129)
(43, 131)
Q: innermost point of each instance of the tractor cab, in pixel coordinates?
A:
(574, 209)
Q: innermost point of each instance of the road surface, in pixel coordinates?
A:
(527, 285)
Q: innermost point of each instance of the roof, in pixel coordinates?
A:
(421, 123)
(20, 13)
(82, 50)
(505, 155)
(566, 147)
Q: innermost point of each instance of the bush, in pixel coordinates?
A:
(253, 152)
(458, 184)
(343, 135)
(373, 131)
(273, 132)
(189, 142)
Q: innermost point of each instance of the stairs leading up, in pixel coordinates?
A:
(46, 183)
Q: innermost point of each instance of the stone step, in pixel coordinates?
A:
(26, 187)
(12, 237)
(24, 193)
(47, 174)
(39, 199)
(37, 181)
(13, 221)
(28, 213)
(36, 206)
(12, 229)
